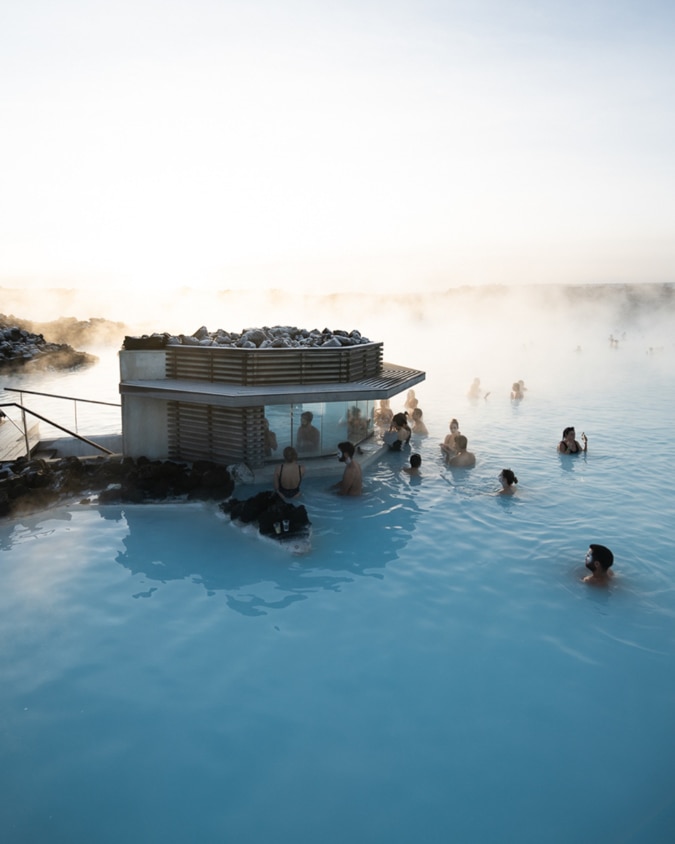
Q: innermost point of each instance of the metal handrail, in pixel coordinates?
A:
(55, 396)
(25, 410)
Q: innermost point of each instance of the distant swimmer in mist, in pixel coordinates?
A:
(410, 401)
(463, 459)
(508, 481)
(448, 446)
(599, 561)
(569, 445)
(517, 391)
(418, 426)
(475, 391)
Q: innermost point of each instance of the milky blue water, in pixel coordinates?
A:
(433, 670)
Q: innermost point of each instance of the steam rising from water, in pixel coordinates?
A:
(500, 334)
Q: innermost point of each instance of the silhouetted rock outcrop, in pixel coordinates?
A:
(21, 348)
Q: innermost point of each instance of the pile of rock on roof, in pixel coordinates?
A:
(276, 337)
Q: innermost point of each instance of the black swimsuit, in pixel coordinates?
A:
(288, 493)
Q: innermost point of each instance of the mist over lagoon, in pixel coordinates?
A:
(168, 675)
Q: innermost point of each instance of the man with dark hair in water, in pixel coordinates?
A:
(463, 458)
(599, 560)
(414, 469)
(352, 479)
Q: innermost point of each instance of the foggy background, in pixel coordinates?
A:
(551, 337)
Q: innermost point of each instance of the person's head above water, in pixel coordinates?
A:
(568, 432)
(290, 454)
(306, 417)
(400, 419)
(454, 425)
(346, 450)
(461, 442)
(415, 461)
(599, 559)
(508, 476)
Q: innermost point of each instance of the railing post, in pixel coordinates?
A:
(25, 431)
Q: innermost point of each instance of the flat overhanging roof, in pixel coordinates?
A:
(391, 381)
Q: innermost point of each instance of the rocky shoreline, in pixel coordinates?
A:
(30, 486)
(23, 349)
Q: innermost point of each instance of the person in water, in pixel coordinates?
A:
(569, 445)
(476, 391)
(448, 446)
(463, 459)
(357, 425)
(414, 470)
(308, 436)
(400, 432)
(352, 478)
(517, 391)
(383, 415)
(418, 426)
(288, 475)
(599, 560)
(508, 480)
(410, 401)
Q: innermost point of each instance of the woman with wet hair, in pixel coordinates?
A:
(288, 475)
(400, 432)
(508, 480)
(448, 446)
(569, 445)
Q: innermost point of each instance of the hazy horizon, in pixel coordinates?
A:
(407, 147)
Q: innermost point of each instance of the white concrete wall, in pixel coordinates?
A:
(144, 426)
(142, 365)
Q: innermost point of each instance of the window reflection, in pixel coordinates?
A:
(315, 428)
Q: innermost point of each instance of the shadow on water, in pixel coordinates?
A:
(351, 539)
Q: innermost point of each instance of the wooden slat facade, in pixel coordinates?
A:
(269, 367)
(220, 434)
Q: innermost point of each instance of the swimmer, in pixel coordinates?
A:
(508, 481)
(288, 486)
(415, 465)
(352, 479)
(357, 425)
(517, 391)
(308, 436)
(568, 444)
(411, 401)
(383, 415)
(400, 432)
(418, 426)
(598, 561)
(475, 391)
(463, 459)
(448, 446)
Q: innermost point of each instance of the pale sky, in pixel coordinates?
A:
(336, 145)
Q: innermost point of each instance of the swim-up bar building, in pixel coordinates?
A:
(242, 398)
